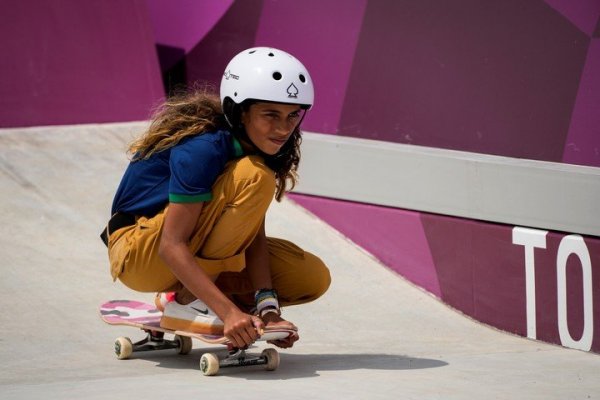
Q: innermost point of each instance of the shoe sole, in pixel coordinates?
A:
(176, 324)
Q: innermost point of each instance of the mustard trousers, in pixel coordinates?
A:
(226, 227)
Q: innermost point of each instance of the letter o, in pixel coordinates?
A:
(574, 244)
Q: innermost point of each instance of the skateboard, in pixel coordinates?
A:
(147, 318)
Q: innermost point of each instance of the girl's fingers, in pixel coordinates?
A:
(244, 336)
(259, 326)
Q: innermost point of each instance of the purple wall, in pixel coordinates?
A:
(329, 53)
(510, 78)
(582, 145)
(583, 140)
(477, 267)
(488, 77)
(513, 78)
(581, 13)
(185, 23)
(69, 62)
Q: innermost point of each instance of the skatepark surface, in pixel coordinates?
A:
(372, 336)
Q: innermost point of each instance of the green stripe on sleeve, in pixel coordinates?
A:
(237, 147)
(183, 198)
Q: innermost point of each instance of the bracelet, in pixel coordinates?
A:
(266, 302)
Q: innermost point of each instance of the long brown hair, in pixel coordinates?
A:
(196, 111)
(182, 115)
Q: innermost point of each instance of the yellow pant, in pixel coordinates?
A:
(226, 227)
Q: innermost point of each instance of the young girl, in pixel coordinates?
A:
(189, 213)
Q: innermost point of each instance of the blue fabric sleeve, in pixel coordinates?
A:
(195, 166)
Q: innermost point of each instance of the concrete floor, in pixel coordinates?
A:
(372, 336)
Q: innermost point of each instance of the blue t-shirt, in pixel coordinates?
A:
(183, 173)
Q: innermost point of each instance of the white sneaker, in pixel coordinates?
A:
(162, 298)
(195, 317)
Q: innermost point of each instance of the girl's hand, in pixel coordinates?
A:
(242, 329)
(272, 321)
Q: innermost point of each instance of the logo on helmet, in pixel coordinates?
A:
(228, 75)
(292, 91)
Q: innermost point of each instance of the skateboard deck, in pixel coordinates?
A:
(147, 317)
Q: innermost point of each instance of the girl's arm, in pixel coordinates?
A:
(180, 220)
(257, 265)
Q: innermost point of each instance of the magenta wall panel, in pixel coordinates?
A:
(480, 268)
(480, 271)
(583, 14)
(509, 78)
(179, 25)
(184, 23)
(489, 77)
(325, 39)
(234, 32)
(408, 240)
(583, 141)
(67, 62)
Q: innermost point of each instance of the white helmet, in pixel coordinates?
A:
(268, 74)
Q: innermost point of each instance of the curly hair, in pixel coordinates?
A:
(196, 111)
(182, 115)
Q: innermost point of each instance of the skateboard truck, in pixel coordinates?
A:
(153, 341)
(210, 363)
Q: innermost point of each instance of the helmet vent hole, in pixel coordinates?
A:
(271, 55)
(252, 52)
(277, 76)
(235, 94)
(302, 78)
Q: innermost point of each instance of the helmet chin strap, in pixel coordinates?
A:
(232, 112)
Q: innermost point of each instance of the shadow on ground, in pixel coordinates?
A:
(297, 365)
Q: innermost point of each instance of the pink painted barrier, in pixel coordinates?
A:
(529, 282)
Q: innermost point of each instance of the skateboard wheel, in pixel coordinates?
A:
(209, 364)
(123, 348)
(272, 357)
(185, 344)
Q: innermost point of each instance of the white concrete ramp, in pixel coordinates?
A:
(372, 336)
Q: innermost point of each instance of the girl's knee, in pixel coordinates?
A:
(320, 276)
(307, 283)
